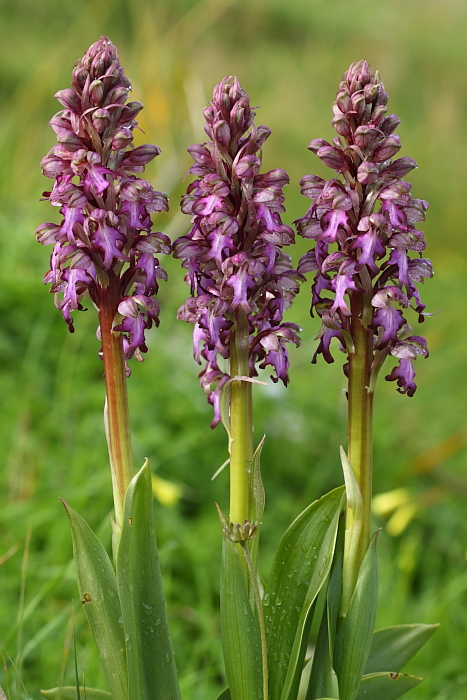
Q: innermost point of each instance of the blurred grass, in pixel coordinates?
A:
(289, 57)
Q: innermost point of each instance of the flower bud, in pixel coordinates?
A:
(100, 120)
(222, 133)
(364, 136)
(343, 102)
(388, 149)
(342, 126)
(122, 138)
(116, 96)
(367, 172)
(130, 111)
(69, 99)
(400, 167)
(142, 155)
(70, 141)
(333, 158)
(96, 91)
(316, 144)
(247, 166)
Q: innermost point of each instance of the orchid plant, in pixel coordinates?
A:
(366, 263)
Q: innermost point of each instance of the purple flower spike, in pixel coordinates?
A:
(233, 252)
(103, 246)
(363, 224)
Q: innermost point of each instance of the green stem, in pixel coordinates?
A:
(360, 420)
(116, 412)
(241, 429)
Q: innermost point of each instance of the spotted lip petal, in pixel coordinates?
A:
(370, 215)
(106, 214)
(233, 252)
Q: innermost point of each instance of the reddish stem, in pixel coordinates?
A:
(117, 423)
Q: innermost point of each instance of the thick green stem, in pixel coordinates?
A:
(360, 420)
(116, 412)
(241, 429)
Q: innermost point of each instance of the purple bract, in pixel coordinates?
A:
(363, 224)
(233, 252)
(104, 240)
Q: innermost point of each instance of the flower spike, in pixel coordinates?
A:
(363, 224)
(104, 244)
(233, 252)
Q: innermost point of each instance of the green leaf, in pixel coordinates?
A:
(241, 639)
(386, 686)
(99, 595)
(323, 679)
(225, 695)
(353, 529)
(300, 567)
(295, 684)
(151, 664)
(353, 640)
(392, 647)
(257, 501)
(68, 692)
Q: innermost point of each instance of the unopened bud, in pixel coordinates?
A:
(96, 91)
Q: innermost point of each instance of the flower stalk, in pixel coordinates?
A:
(360, 425)
(241, 425)
(117, 419)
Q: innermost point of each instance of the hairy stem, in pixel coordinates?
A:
(241, 429)
(116, 411)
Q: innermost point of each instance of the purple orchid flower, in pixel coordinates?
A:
(104, 241)
(233, 252)
(363, 224)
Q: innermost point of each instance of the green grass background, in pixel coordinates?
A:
(289, 56)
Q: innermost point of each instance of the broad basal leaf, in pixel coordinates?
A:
(99, 596)
(151, 664)
(300, 567)
(353, 640)
(241, 639)
(386, 686)
(392, 647)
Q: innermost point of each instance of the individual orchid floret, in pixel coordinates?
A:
(103, 247)
(366, 258)
(233, 252)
